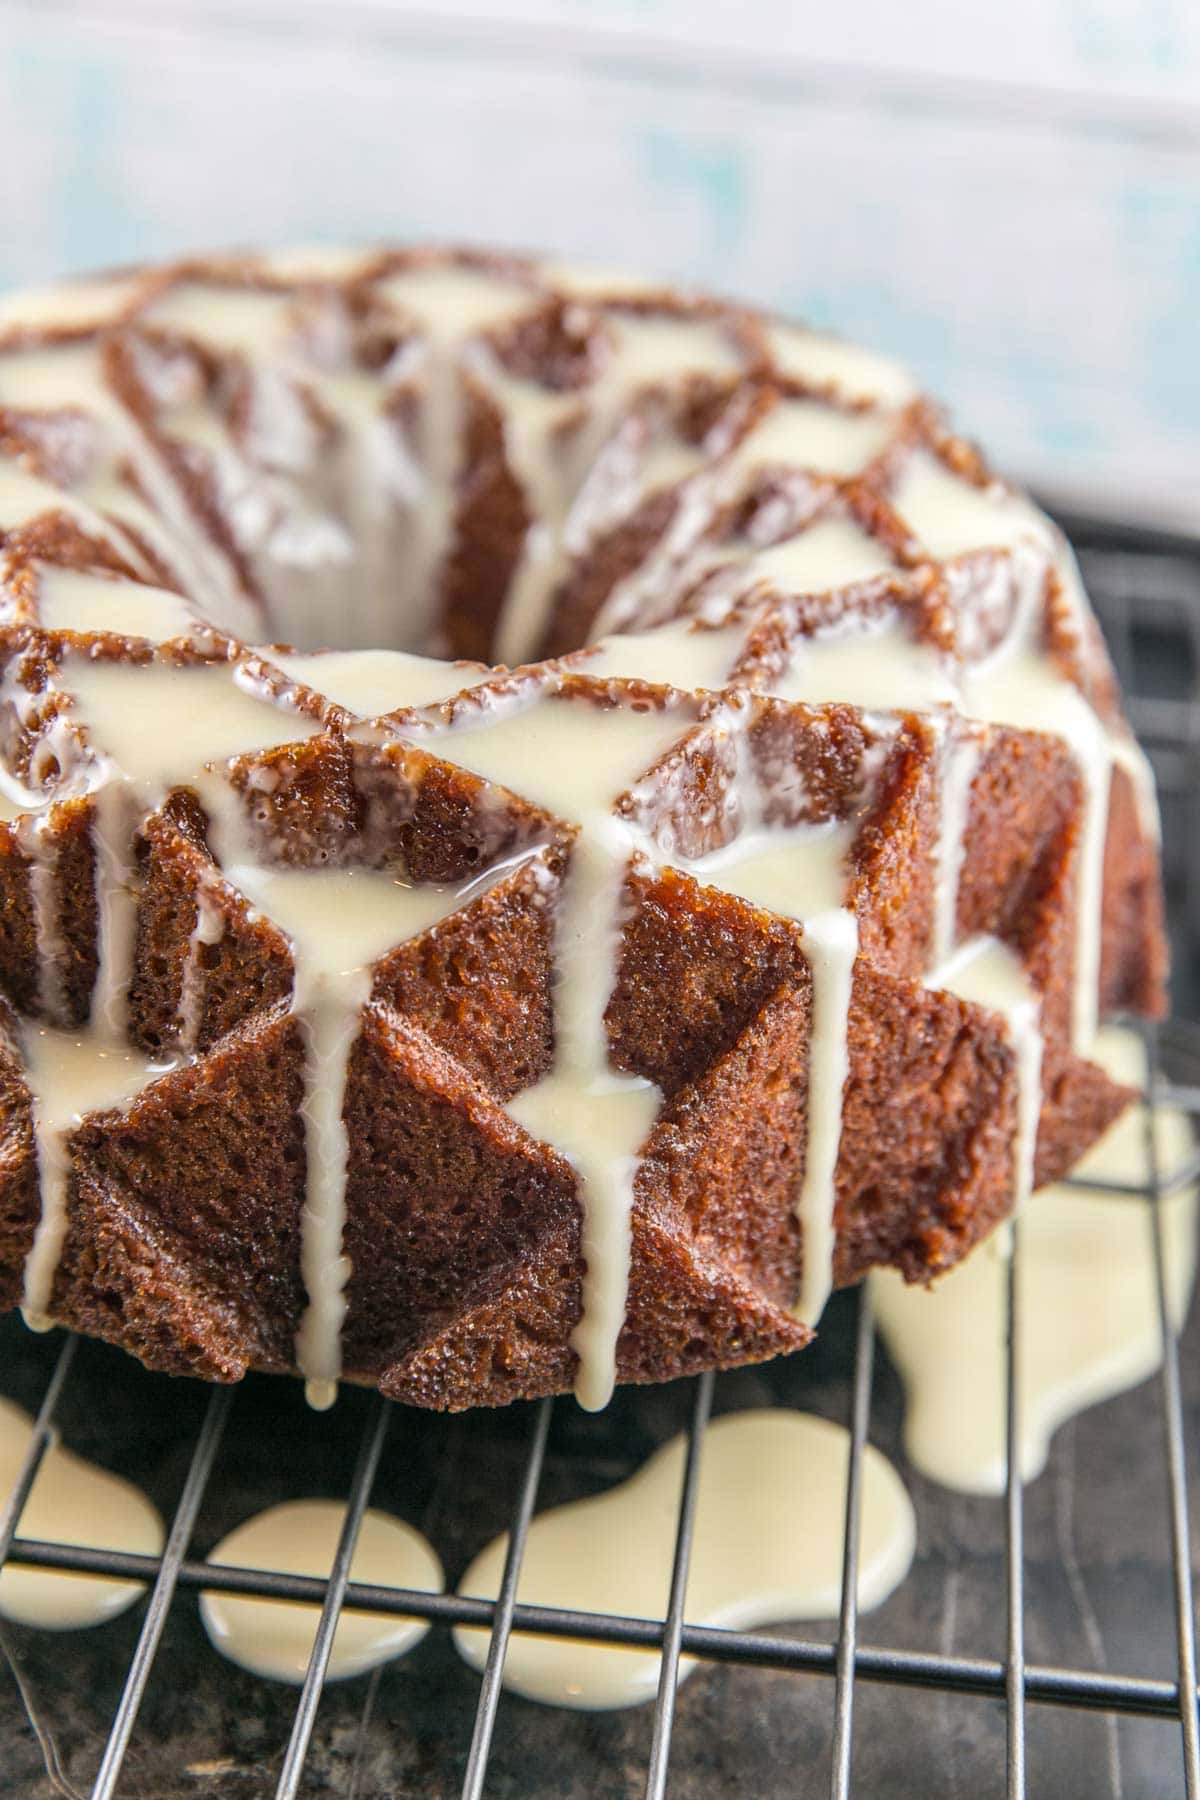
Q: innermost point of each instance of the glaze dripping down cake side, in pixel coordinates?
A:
(734, 916)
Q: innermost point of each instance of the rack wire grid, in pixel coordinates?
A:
(1147, 591)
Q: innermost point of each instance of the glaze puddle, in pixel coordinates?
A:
(767, 1547)
(274, 1638)
(72, 1502)
(1088, 1310)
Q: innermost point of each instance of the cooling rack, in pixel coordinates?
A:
(1147, 591)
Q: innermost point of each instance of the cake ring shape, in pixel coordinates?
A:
(546, 822)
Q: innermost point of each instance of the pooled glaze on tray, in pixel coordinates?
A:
(274, 1638)
(72, 1502)
(767, 1546)
(1088, 1305)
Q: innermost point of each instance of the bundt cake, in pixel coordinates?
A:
(730, 911)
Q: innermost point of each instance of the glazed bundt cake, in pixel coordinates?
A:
(732, 915)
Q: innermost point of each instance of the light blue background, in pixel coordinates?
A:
(1007, 196)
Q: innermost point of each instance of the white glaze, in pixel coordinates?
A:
(114, 816)
(161, 724)
(59, 376)
(950, 516)
(832, 554)
(654, 351)
(988, 973)
(575, 760)
(588, 282)
(371, 682)
(1089, 1324)
(315, 262)
(209, 929)
(1128, 756)
(646, 594)
(372, 516)
(331, 984)
(13, 803)
(857, 374)
(875, 664)
(67, 379)
(679, 655)
(1021, 687)
(274, 1638)
(450, 305)
(69, 600)
(800, 874)
(69, 1077)
(72, 1502)
(243, 320)
(85, 301)
(154, 726)
(549, 476)
(24, 496)
(1017, 683)
(767, 1546)
(609, 471)
(810, 435)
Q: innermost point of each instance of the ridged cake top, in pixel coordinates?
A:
(802, 588)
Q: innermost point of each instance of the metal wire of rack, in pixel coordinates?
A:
(1148, 595)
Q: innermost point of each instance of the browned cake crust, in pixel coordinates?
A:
(184, 1209)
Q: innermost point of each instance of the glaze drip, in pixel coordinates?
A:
(767, 1545)
(72, 1502)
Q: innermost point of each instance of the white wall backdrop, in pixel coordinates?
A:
(1004, 192)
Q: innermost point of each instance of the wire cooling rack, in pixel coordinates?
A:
(1147, 590)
